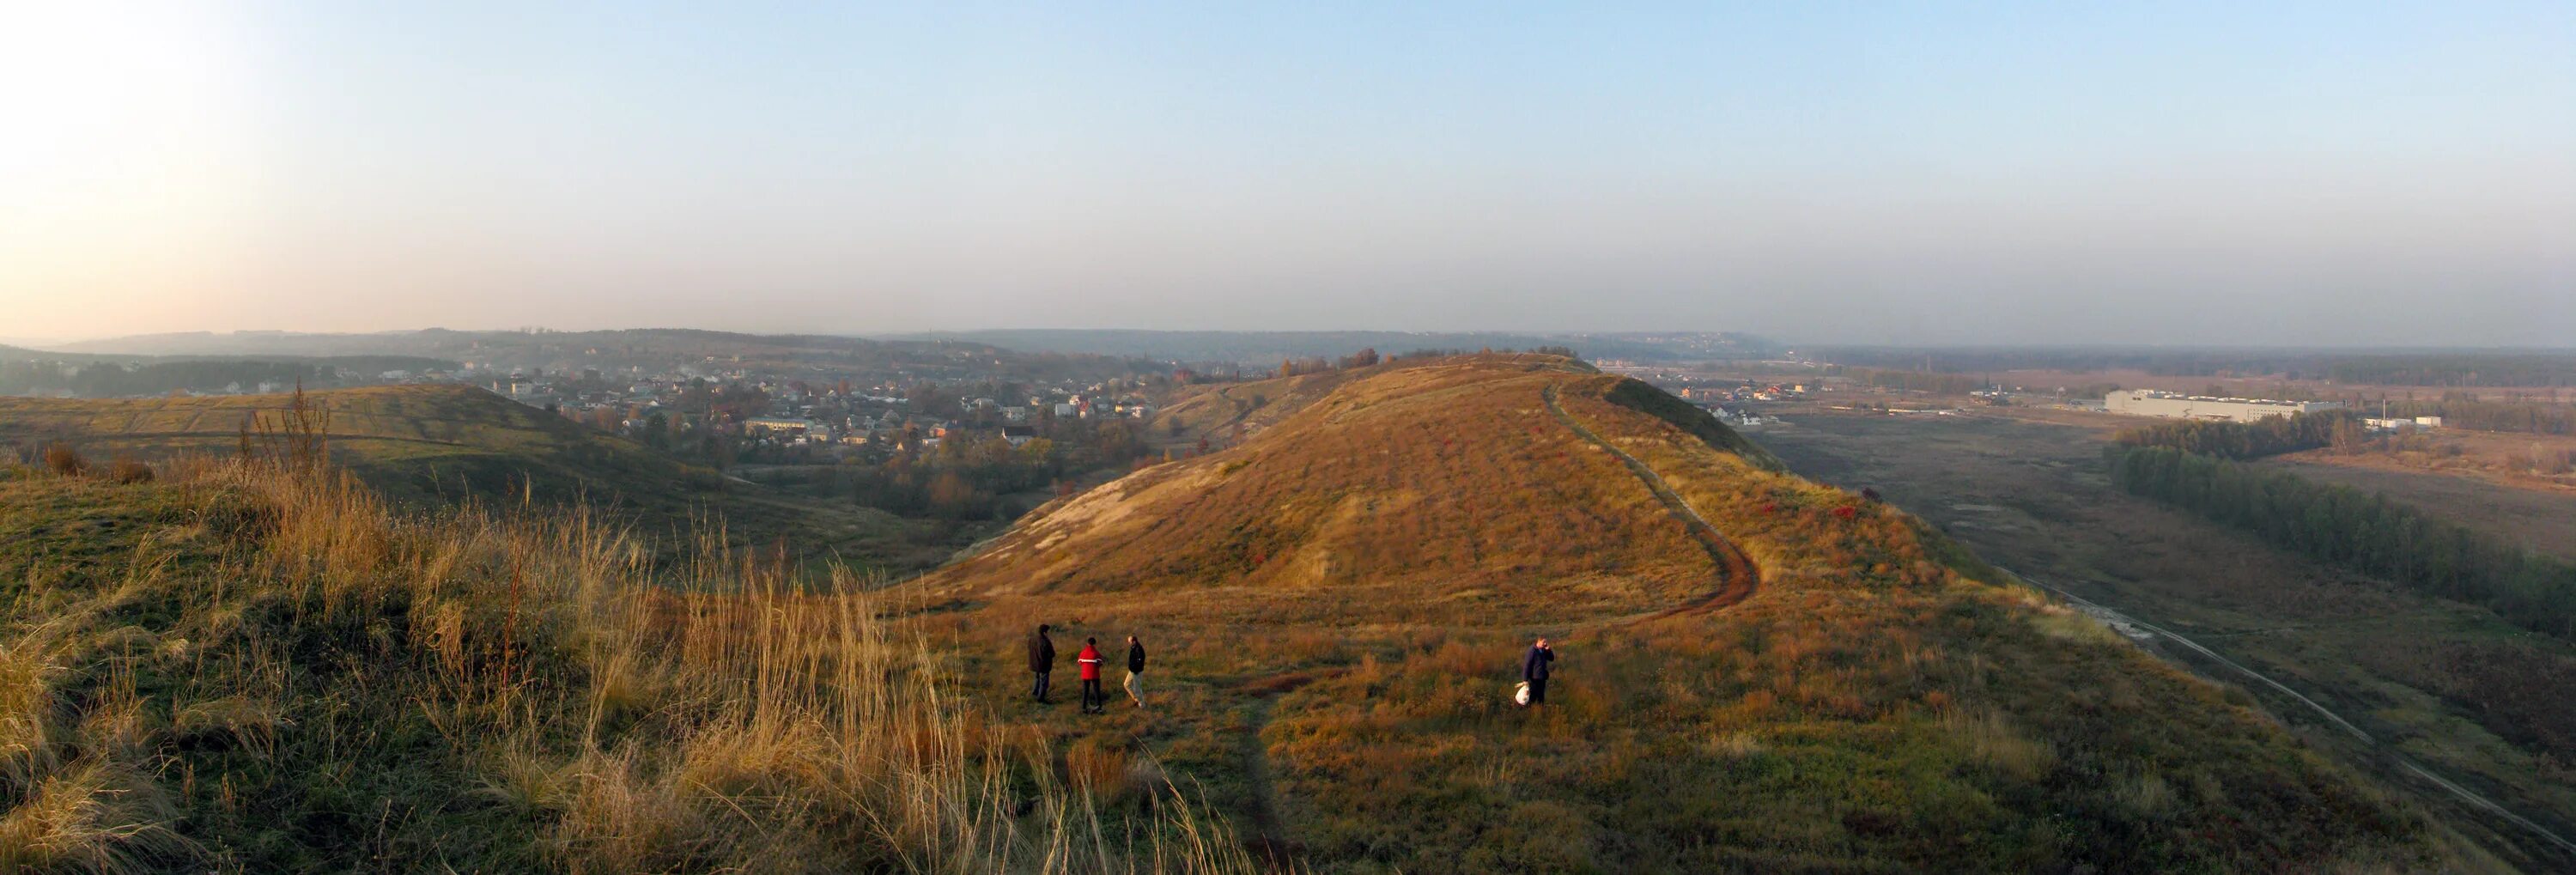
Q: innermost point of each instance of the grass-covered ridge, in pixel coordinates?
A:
(240, 667)
(1339, 602)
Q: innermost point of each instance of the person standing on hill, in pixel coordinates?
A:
(1041, 661)
(1136, 671)
(1534, 670)
(1093, 702)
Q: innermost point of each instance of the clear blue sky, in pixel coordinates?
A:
(2042, 173)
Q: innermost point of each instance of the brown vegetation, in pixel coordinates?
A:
(258, 667)
(1338, 601)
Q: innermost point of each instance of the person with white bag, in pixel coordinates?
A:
(1533, 688)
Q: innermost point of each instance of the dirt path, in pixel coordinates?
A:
(1272, 839)
(1737, 575)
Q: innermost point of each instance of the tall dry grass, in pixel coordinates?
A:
(610, 718)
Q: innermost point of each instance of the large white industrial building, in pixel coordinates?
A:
(2174, 405)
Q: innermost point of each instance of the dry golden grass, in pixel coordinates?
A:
(498, 693)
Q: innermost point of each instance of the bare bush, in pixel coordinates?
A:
(129, 471)
(61, 459)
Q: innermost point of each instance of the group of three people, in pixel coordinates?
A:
(1042, 664)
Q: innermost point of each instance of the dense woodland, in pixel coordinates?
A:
(2361, 531)
(2251, 440)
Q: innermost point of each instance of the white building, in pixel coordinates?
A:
(785, 425)
(2173, 405)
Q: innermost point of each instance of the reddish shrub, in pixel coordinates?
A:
(1846, 512)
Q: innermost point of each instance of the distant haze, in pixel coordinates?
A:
(2311, 174)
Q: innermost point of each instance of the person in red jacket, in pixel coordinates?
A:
(1093, 701)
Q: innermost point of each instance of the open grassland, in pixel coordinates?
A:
(2451, 686)
(1335, 608)
(424, 446)
(243, 668)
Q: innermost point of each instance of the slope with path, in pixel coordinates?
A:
(1737, 575)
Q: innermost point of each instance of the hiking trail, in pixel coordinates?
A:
(1737, 575)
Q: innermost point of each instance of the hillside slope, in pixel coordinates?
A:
(431, 445)
(1757, 673)
(237, 667)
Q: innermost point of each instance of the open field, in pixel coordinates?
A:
(2466, 694)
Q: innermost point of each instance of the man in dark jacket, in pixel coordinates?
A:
(1136, 670)
(1534, 670)
(1041, 661)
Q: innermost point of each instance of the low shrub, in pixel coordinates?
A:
(61, 459)
(129, 471)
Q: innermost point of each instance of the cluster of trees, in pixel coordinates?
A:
(960, 480)
(1369, 356)
(1318, 364)
(975, 478)
(2364, 532)
(972, 479)
(1916, 381)
(2252, 440)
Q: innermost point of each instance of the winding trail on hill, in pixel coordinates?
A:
(1737, 575)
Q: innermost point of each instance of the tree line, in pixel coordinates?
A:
(2251, 440)
(2461, 410)
(2361, 531)
(2463, 369)
(2475, 369)
(1916, 381)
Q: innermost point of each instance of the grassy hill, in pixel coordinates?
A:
(426, 445)
(1757, 673)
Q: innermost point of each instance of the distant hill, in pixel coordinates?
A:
(1265, 348)
(652, 349)
(1756, 673)
(424, 445)
(101, 375)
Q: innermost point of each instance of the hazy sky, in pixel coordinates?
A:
(2048, 173)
